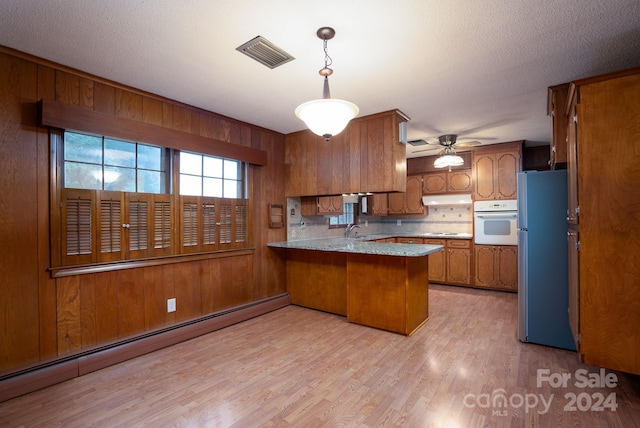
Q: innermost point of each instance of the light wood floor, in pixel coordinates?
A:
(300, 367)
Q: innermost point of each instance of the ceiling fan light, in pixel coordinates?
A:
(448, 160)
(327, 116)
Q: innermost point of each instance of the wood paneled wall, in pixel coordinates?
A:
(43, 319)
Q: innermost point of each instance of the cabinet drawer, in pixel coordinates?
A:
(409, 240)
(435, 241)
(458, 243)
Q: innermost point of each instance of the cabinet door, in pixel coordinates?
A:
(460, 181)
(409, 202)
(396, 203)
(495, 171)
(434, 183)
(507, 272)
(508, 165)
(483, 168)
(414, 195)
(329, 205)
(574, 285)
(459, 266)
(485, 265)
(437, 262)
(378, 204)
(556, 104)
(308, 206)
(572, 165)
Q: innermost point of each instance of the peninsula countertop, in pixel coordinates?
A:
(360, 245)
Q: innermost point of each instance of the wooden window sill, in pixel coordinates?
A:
(61, 271)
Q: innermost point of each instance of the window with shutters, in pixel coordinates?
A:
(118, 201)
(213, 208)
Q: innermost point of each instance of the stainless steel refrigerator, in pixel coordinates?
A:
(543, 291)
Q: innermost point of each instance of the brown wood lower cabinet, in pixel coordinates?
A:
(454, 264)
(318, 280)
(381, 291)
(496, 266)
(459, 262)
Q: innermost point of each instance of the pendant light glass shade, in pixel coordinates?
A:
(449, 157)
(327, 117)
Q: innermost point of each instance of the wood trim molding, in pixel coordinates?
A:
(59, 115)
(61, 67)
(60, 371)
(57, 272)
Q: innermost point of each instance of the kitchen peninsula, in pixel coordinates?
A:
(381, 285)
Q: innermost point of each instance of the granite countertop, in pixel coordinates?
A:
(360, 245)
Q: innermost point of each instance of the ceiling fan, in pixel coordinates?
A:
(445, 141)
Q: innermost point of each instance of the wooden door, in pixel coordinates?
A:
(483, 170)
(308, 206)
(505, 176)
(459, 266)
(460, 181)
(397, 203)
(485, 265)
(507, 262)
(378, 204)
(434, 183)
(574, 285)
(572, 163)
(437, 262)
(556, 105)
(414, 195)
(329, 205)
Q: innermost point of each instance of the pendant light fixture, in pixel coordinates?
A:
(326, 116)
(448, 158)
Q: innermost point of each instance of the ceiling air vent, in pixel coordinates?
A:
(265, 52)
(417, 142)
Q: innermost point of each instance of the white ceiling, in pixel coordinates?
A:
(479, 69)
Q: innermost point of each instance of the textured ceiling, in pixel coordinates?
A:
(476, 68)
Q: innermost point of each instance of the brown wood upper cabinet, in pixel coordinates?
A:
(378, 204)
(366, 157)
(409, 202)
(322, 205)
(455, 181)
(556, 105)
(495, 171)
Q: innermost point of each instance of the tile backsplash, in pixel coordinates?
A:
(443, 218)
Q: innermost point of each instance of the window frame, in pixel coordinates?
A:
(63, 264)
(345, 209)
(165, 159)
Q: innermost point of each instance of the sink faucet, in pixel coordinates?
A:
(349, 229)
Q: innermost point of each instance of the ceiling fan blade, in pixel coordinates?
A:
(431, 149)
(472, 143)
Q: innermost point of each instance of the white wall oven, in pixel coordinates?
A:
(495, 222)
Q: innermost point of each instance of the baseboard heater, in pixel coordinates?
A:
(80, 364)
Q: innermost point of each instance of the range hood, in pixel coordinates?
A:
(453, 199)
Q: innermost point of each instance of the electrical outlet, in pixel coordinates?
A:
(171, 305)
(399, 222)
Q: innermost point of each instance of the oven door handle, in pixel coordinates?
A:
(496, 215)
